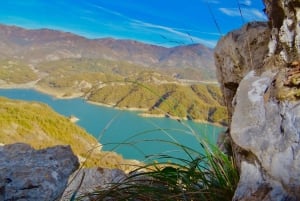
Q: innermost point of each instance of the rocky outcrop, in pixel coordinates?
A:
(48, 174)
(238, 53)
(28, 174)
(284, 17)
(268, 132)
(87, 180)
(259, 71)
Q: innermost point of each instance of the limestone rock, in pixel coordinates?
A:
(284, 17)
(256, 188)
(238, 53)
(259, 72)
(270, 130)
(87, 180)
(28, 174)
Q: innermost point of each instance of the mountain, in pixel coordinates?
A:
(35, 46)
(172, 82)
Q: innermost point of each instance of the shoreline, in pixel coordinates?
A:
(149, 115)
(62, 95)
(119, 108)
(56, 94)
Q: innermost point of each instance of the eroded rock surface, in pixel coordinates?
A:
(238, 53)
(30, 175)
(269, 130)
(88, 180)
(261, 89)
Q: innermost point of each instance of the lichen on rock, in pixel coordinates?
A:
(31, 175)
(264, 103)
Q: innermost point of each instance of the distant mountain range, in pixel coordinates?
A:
(193, 62)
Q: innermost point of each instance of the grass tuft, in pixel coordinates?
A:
(199, 173)
(207, 175)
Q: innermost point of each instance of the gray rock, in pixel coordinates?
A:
(258, 70)
(270, 131)
(30, 175)
(87, 180)
(238, 53)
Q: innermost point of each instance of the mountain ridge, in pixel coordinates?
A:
(36, 45)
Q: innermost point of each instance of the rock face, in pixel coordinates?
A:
(259, 71)
(268, 130)
(28, 174)
(238, 53)
(85, 181)
(284, 17)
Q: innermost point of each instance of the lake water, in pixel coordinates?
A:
(125, 132)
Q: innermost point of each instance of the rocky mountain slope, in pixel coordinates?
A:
(36, 46)
(258, 67)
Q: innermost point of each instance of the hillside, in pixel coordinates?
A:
(172, 82)
(38, 125)
(195, 102)
(38, 46)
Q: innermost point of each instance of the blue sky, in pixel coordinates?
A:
(161, 22)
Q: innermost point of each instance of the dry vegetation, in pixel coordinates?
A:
(16, 72)
(38, 125)
(124, 85)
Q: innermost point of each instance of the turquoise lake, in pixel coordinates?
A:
(125, 132)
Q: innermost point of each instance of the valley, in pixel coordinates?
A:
(174, 82)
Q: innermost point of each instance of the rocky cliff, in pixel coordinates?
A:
(28, 174)
(258, 67)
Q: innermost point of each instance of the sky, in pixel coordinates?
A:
(161, 22)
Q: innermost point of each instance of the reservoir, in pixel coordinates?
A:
(125, 132)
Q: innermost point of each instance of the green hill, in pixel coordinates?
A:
(38, 125)
(124, 85)
(195, 102)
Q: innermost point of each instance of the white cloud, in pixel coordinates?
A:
(233, 12)
(175, 34)
(212, 1)
(172, 35)
(249, 14)
(246, 2)
(112, 12)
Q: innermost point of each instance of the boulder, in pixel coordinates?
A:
(268, 131)
(238, 53)
(87, 180)
(29, 175)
